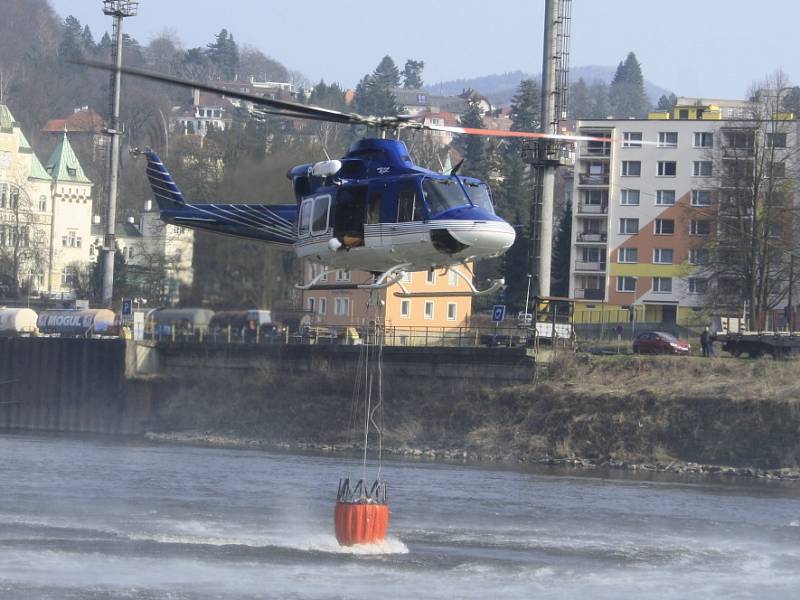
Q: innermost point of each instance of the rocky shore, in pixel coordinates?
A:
(677, 467)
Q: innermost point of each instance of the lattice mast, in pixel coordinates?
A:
(545, 156)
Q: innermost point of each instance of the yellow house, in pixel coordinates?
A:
(434, 315)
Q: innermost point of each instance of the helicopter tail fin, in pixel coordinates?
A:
(167, 194)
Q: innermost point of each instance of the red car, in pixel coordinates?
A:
(659, 342)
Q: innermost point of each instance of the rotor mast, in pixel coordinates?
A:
(119, 9)
(546, 155)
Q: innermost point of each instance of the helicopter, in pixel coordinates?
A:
(372, 210)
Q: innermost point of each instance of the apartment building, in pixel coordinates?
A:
(410, 317)
(644, 207)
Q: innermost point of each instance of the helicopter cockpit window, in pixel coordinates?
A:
(409, 205)
(443, 194)
(322, 205)
(480, 196)
(305, 217)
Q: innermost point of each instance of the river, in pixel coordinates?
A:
(89, 518)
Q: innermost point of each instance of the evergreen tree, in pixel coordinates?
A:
(373, 98)
(526, 106)
(667, 103)
(71, 47)
(328, 96)
(473, 147)
(412, 74)
(88, 40)
(626, 93)
(580, 100)
(598, 92)
(386, 74)
(224, 54)
(559, 278)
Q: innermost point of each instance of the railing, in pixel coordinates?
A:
(592, 209)
(738, 151)
(585, 265)
(592, 237)
(589, 294)
(510, 334)
(593, 179)
(596, 150)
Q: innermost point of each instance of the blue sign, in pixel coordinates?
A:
(127, 307)
(498, 312)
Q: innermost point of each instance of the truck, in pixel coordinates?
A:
(737, 339)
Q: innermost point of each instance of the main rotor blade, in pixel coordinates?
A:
(517, 134)
(300, 110)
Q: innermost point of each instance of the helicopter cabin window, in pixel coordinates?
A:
(443, 194)
(480, 196)
(304, 226)
(409, 205)
(322, 205)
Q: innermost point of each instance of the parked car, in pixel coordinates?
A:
(659, 342)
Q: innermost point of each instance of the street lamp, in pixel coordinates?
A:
(120, 8)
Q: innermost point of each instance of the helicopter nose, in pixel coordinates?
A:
(485, 238)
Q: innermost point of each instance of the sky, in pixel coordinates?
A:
(703, 49)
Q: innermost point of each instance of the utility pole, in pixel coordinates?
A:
(545, 156)
(118, 9)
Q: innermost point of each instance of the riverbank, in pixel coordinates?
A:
(674, 414)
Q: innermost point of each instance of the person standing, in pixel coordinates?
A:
(705, 341)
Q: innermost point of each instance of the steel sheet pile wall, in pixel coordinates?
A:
(69, 385)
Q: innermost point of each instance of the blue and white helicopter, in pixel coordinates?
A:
(371, 210)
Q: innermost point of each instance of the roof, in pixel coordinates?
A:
(83, 120)
(8, 124)
(64, 165)
(6, 118)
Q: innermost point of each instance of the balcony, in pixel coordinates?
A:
(591, 266)
(592, 238)
(738, 151)
(595, 150)
(589, 294)
(592, 209)
(593, 179)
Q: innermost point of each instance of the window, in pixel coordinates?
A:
(626, 284)
(701, 198)
(629, 197)
(703, 140)
(662, 256)
(595, 197)
(452, 278)
(43, 203)
(593, 255)
(776, 199)
(667, 139)
(320, 220)
(665, 197)
(310, 304)
(631, 168)
(431, 277)
(443, 194)
(776, 140)
(323, 306)
(451, 311)
(409, 206)
(664, 227)
(662, 285)
(683, 113)
(405, 309)
(699, 227)
(68, 276)
(341, 306)
(698, 256)
(632, 139)
(702, 168)
(304, 225)
(628, 226)
(429, 309)
(777, 169)
(343, 275)
(628, 255)
(422, 98)
(3, 195)
(667, 168)
(698, 285)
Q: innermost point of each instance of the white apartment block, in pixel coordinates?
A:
(644, 205)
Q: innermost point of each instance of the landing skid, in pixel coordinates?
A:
(386, 279)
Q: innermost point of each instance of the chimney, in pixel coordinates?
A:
(96, 220)
(195, 97)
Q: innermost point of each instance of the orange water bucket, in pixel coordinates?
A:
(361, 515)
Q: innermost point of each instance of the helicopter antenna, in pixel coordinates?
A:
(454, 170)
(325, 151)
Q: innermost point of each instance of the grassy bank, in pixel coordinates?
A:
(627, 409)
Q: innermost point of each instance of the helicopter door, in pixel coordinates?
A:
(348, 221)
(373, 229)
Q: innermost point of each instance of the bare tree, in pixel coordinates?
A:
(755, 213)
(24, 235)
